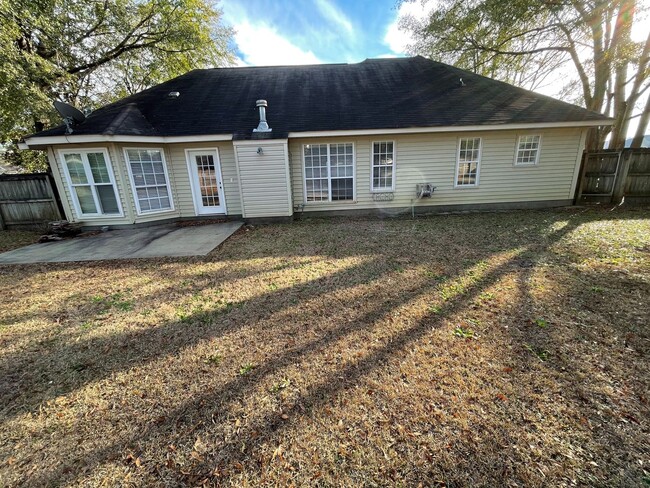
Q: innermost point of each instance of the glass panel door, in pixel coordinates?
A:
(207, 188)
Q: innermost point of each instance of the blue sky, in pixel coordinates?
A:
(272, 32)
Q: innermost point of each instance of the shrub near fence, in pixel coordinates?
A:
(27, 200)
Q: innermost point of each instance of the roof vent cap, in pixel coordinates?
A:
(263, 126)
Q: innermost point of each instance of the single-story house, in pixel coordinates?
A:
(383, 135)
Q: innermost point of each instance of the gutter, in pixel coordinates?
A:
(447, 128)
(42, 142)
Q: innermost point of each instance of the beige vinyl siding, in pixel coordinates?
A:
(431, 158)
(66, 196)
(178, 164)
(62, 186)
(264, 179)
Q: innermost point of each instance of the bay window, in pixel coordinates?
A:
(92, 183)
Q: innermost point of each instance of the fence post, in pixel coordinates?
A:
(581, 179)
(621, 176)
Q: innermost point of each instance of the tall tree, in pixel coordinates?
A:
(526, 41)
(90, 52)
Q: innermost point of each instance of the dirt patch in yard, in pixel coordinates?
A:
(13, 239)
(505, 349)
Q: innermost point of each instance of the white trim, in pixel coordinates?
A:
(576, 170)
(372, 166)
(92, 185)
(304, 176)
(259, 142)
(134, 189)
(241, 193)
(195, 194)
(537, 155)
(73, 139)
(329, 174)
(460, 128)
(288, 173)
(478, 162)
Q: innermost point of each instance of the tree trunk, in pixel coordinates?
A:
(619, 44)
(643, 125)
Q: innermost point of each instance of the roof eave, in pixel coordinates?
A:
(452, 128)
(44, 141)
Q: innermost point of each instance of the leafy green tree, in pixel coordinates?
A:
(526, 41)
(90, 52)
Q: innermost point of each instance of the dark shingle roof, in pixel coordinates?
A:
(373, 94)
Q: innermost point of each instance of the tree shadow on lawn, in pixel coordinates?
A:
(51, 367)
(180, 425)
(591, 351)
(173, 269)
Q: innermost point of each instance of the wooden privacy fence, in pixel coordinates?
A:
(27, 200)
(609, 176)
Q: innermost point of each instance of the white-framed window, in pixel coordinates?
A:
(92, 183)
(329, 172)
(148, 173)
(383, 166)
(468, 161)
(528, 148)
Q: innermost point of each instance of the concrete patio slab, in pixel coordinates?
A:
(147, 242)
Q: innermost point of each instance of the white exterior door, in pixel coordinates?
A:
(207, 186)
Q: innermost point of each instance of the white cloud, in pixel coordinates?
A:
(261, 45)
(397, 39)
(334, 15)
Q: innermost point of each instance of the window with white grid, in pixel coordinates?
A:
(149, 178)
(316, 172)
(91, 180)
(383, 166)
(329, 172)
(528, 150)
(467, 166)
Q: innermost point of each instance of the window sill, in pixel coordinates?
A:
(325, 202)
(156, 212)
(100, 216)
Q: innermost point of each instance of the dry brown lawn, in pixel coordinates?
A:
(504, 349)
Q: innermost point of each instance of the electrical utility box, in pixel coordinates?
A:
(424, 190)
